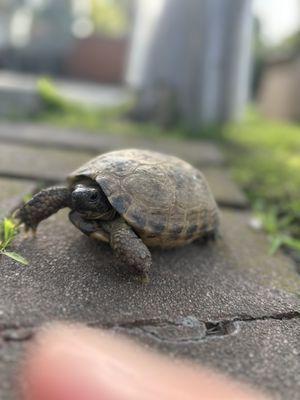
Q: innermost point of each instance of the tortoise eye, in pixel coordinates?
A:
(94, 196)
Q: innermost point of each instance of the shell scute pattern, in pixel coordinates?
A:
(148, 186)
(165, 199)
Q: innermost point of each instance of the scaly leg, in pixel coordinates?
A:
(91, 228)
(42, 205)
(128, 248)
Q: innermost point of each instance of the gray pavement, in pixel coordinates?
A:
(227, 304)
(41, 136)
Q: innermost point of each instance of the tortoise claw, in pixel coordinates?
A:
(29, 232)
(144, 278)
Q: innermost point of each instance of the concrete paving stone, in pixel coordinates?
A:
(41, 164)
(199, 153)
(222, 304)
(225, 190)
(12, 192)
(72, 277)
(10, 354)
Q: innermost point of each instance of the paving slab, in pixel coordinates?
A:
(10, 354)
(225, 190)
(220, 303)
(199, 153)
(40, 164)
(12, 192)
(72, 277)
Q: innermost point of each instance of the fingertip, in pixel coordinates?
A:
(59, 365)
(72, 362)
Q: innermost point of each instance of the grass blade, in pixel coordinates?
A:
(9, 230)
(15, 257)
(276, 243)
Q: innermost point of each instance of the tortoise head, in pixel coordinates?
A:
(89, 200)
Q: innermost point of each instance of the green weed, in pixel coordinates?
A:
(265, 159)
(8, 232)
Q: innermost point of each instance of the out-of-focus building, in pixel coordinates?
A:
(279, 94)
(190, 60)
(78, 38)
(277, 54)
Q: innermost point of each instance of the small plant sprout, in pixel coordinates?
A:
(8, 232)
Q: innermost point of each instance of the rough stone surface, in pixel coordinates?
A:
(199, 153)
(188, 308)
(71, 277)
(227, 304)
(10, 354)
(12, 192)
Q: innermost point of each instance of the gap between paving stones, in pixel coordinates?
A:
(45, 136)
(96, 151)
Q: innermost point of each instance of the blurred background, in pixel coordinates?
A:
(221, 70)
(197, 59)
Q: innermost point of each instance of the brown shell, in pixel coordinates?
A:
(164, 199)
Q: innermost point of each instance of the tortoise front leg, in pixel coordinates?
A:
(42, 205)
(128, 248)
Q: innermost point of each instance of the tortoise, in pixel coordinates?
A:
(132, 199)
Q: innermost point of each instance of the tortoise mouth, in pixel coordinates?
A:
(89, 214)
(105, 216)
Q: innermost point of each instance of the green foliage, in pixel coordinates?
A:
(65, 113)
(266, 161)
(108, 17)
(52, 100)
(8, 232)
(290, 45)
(62, 112)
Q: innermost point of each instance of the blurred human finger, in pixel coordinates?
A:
(79, 363)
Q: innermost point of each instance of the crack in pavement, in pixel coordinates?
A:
(198, 330)
(188, 329)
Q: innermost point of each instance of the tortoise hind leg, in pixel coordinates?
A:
(128, 248)
(211, 236)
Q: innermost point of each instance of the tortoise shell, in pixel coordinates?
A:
(164, 199)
